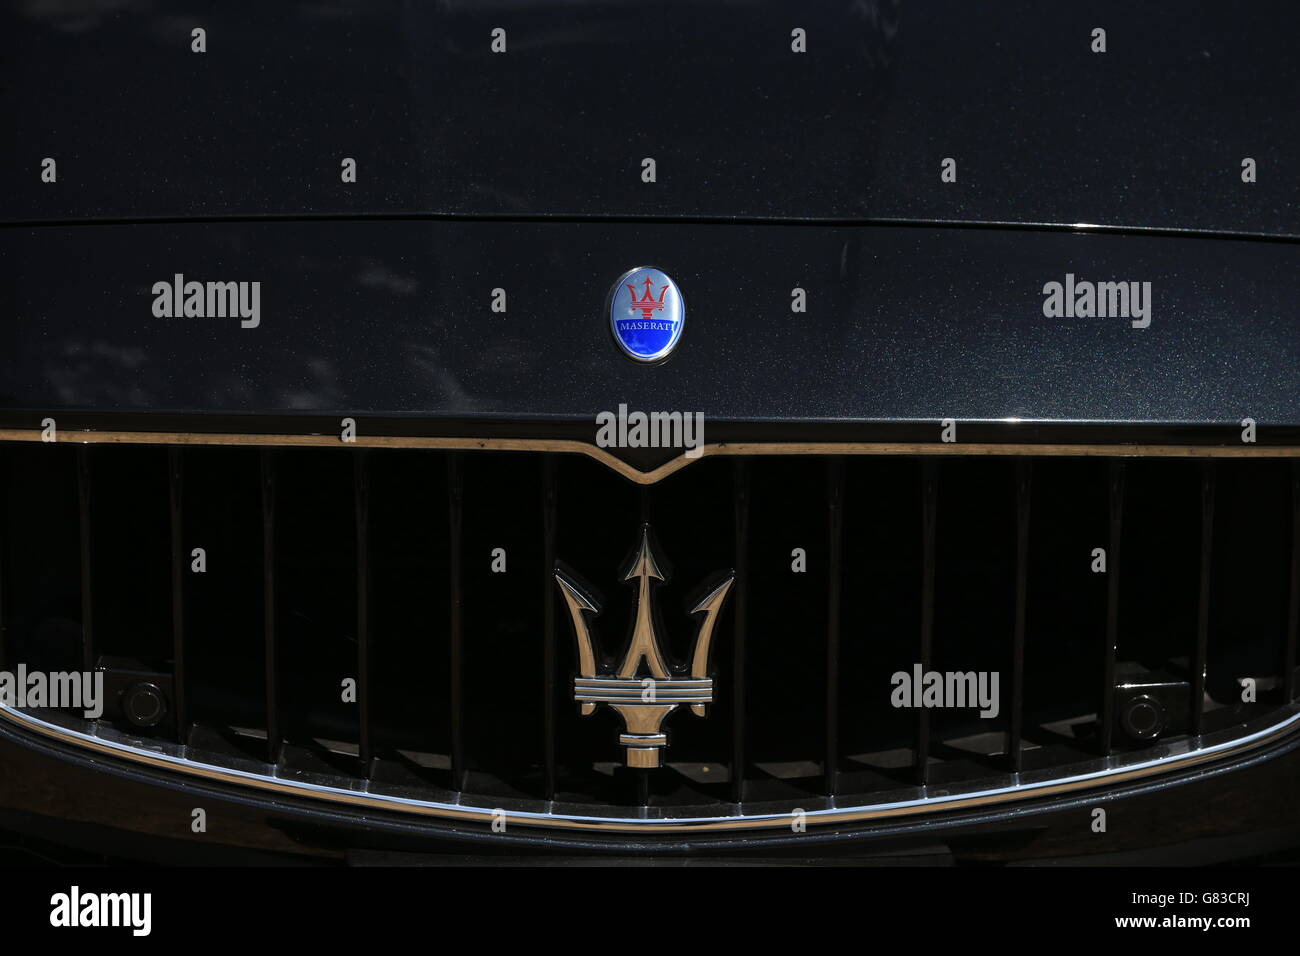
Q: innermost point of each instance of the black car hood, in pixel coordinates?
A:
(1150, 134)
(775, 171)
(904, 323)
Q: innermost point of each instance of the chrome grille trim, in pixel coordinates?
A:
(1108, 776)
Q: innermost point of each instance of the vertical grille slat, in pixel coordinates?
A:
(175, 479)
(641, 777)
(1024, 491)
(269, 630)
(1203, 597)
(1115, 485)
(501, 562)
(6, 466)
(929, 523)
(741, 487)
(835, 572)
(1293, 609)
(87, 590)
(549, 689)
(455, 515)
(361, 480)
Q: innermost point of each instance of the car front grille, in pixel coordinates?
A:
(427, 576)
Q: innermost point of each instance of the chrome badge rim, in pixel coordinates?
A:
(646, 314)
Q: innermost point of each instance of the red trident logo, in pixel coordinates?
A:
(647, 304)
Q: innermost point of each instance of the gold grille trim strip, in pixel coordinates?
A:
(632, 473)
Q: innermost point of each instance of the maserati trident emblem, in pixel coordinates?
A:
(646, 314)
(643, 690)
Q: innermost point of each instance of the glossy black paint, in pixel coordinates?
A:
(903, 323)
(774, 170)
(1149, 134)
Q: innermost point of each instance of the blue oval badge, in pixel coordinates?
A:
(646, 314)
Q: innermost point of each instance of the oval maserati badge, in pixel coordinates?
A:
(646, 314)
